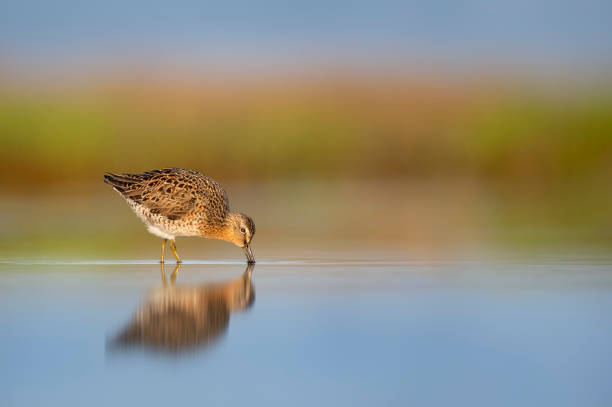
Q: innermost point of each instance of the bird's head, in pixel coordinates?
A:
(240, 229)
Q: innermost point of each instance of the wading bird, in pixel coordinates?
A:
(176, 202)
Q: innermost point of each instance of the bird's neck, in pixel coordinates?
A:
(223, 231)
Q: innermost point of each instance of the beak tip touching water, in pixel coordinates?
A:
(249, 254)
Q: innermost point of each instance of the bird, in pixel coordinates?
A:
(180, 318)
(176, 202)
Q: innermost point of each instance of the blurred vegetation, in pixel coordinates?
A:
(331, 162)
(338, 128)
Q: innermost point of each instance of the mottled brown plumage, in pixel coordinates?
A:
(176, 202)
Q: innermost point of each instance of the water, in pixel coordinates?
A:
(335, 332)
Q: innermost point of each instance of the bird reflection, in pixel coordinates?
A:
(177, 318)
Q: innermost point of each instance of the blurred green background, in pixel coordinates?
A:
(402, 165)
(340, 141)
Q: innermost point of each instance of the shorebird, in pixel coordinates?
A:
(176, 202)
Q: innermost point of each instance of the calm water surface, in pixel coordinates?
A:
(334, 332)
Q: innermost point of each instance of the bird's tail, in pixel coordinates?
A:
(120, 182)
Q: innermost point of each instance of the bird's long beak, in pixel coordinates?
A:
(248, 253)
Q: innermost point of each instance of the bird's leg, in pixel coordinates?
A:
(163, 249)
(175, 272)
(173, 248)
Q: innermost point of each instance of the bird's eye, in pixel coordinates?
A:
(242, 230)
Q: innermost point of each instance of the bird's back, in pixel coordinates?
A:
(172, 196)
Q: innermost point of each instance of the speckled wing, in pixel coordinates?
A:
(173, 192)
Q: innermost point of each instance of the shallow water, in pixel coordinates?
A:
(331, 332)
